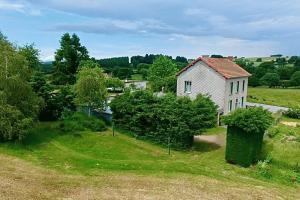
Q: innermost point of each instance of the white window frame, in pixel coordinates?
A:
(231, 88)
(187, 87)
(236, 103)
(237, 87)
(230, 105)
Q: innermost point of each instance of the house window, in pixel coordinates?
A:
(230, 105)
(242, 102)
(244, 82)
(237, 87)
(187, 86)
(236, 103)
(231, 87)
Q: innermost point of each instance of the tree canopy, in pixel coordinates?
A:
(162, 74)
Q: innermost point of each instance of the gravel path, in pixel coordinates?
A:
(271, 108)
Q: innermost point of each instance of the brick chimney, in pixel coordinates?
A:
(231, 58)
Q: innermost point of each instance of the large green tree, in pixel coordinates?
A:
(162, 74)
(68, 58)
(90, 88)
(295, 79)
(270, 79)
(31, 54)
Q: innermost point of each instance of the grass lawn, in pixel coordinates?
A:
(137, 77)
(98, 164)
(278, 97)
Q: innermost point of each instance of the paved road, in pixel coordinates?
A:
(271, 108)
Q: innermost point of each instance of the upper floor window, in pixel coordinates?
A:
(187, 86)
(244, 82)
(238, 87)
(231, 87)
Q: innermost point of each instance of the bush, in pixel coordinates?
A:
(245, 133)
(80, 122)
(158, 118)
(13, 124)
(293, 113)
(264, 168)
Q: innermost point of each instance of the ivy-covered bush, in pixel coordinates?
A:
(160, 118)
(293, 113)
(246, 128)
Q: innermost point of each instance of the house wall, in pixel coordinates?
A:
(204, 81)
(235, 95)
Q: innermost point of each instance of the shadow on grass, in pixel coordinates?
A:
(203, 146)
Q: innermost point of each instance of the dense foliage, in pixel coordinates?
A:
(162, 118)
(245, 131)
(80, 122)
(162, 74)
(278, 72)
(293, 113)
(251, 120)
(90, 88)
(68, 58)
(19, 105)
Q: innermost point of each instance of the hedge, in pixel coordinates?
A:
(242, 148)
(246, 128)
(160, 118)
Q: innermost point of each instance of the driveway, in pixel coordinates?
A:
(271, 108)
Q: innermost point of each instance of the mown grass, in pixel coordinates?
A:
(90, 153)
(279, 97)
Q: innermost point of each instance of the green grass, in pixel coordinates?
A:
(279, 97)
(89, 153)
(215, 131)
(137, 77)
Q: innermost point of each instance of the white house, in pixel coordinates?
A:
(220, 78)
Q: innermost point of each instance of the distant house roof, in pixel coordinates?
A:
(224, 66)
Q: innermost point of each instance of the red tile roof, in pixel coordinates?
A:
(224, 66)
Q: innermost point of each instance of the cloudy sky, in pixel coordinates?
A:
(189, 28)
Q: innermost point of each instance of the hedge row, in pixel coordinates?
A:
(160, 118)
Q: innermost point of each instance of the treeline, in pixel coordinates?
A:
(279, 73)
(125, 67)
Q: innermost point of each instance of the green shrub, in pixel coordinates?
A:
(272, 132)
(264, 169)
(158, 118)
(80, 122)
(293, 113)
(13, 124)
(245, 133)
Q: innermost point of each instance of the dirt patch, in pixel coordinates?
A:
(23, 180)
(219, 139)
(292, 124)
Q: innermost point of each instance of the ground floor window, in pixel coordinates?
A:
(242, 102)
(187, 86)
(230, 105)
(236, 103)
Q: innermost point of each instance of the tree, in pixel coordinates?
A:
(68, 58)
(270, 79)
(285, 72)
(292, 59)
(161, 72)
(90, 88)
(295, 79)
(31, 54)
(181, 59)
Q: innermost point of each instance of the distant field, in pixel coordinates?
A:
(278, 97)
(55, 165)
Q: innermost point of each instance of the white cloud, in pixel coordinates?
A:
(19, 6)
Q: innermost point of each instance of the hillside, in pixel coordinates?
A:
(98, 165)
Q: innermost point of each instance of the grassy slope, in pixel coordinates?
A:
(279, 97)
(96, 154)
